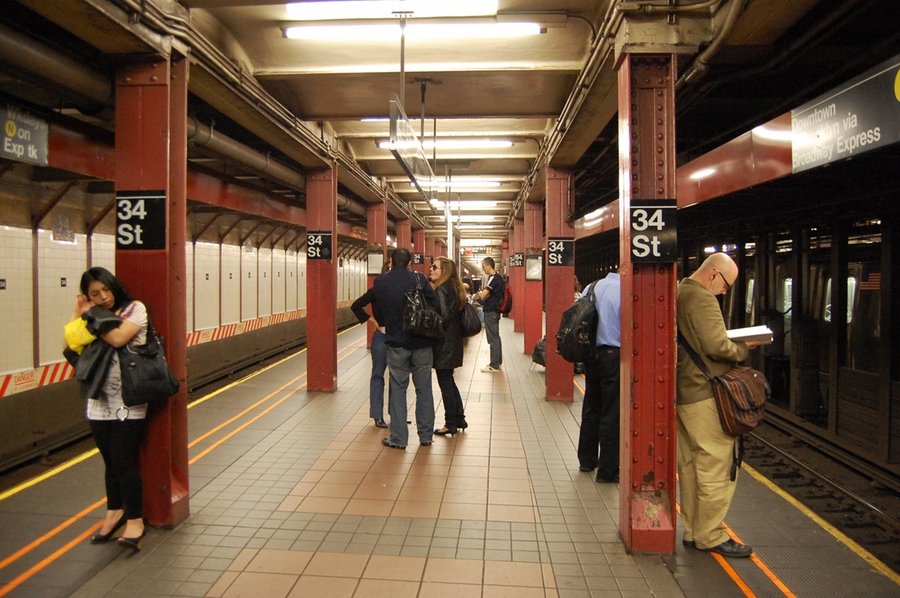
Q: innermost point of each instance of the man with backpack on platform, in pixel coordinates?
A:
(600, 411)
(493, 294)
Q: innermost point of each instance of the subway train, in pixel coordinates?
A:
(246, 298)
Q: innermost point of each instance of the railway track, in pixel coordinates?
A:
(866, 511)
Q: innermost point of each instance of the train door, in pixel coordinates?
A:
(779, 319)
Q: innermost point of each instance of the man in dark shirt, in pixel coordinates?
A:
(492, 294)
(379, 354)
(407, 354)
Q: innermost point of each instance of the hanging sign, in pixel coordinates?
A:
(25, 136)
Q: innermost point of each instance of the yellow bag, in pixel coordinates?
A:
(77, 335)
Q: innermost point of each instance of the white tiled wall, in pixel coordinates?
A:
(225, 284)
(249, 283)
(231, 284)
(189, 285)
(206, 286)
(290, 278)
(15, 267)
(103, 252)
(278, 285)
(57, 261)
(264, 263)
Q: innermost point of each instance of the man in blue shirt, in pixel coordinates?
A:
(600, 411)
(492, 294)
(407, 354)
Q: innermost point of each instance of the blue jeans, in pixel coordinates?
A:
(492, 327)
(376, 382)
(402, 363)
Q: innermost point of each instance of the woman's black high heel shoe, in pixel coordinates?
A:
(101, 538)
(133, 543)
(445, 431)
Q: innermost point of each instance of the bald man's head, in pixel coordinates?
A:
(717, 273)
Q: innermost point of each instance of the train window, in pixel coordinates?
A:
(786, 297)
(748, 302)
(851, 299)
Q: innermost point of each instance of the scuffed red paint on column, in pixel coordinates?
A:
(534, 289)
(560, 283)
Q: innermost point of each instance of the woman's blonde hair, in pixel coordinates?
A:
(450, 274)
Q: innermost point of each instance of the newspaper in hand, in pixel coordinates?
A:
(752, 333)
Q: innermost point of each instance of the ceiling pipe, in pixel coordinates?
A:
(25, 54)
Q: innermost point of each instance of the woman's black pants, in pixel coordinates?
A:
(118, 444)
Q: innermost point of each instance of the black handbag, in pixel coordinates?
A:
(471, 325)
(419, 318)
(146, 376)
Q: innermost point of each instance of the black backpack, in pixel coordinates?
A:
(577, 336)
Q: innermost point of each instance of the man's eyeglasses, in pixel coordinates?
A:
(727, 284)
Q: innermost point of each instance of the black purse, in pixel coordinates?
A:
(471, 325)
(419, 318)
(146, 376)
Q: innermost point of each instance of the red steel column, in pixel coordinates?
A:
(321, 283)
(376, 233)
(560, 280)
(430, 251)
(151, 114)
(647, 173)
(534, 289)
(419, 246)
(404, 234)
(517, 277)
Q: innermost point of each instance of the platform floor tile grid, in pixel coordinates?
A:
(306, 502)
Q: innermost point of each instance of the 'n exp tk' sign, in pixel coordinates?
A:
(25, 136)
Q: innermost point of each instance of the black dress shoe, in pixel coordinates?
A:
(585, 468)
(387, 442)
(445, 430)
(602, 480)
(689, 544)
(425, 443)
(732, 549)
(380, 423)
(133, 543)
(101, 538)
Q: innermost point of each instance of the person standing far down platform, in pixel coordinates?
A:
(600, 411)
(492, 295)
(379, 353)
(705, 451)
(407, 354)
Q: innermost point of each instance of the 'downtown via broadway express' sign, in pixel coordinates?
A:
(859, 116)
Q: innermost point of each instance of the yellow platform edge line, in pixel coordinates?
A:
(843, 539)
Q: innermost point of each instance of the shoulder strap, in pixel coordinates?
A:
(696, 358)
(590, 293)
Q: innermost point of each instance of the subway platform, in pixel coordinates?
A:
(293, 495)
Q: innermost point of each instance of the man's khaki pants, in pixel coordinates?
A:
(704, 469)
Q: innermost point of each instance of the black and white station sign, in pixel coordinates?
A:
(318, 245)
(654, 231)
(140, 220)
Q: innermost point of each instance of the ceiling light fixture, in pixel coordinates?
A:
(366, 9)
(465, 205)
(441, 185)
(457, 144)
(390, 32)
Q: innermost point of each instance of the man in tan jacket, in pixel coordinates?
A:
(704, 450)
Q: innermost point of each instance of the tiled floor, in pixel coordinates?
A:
(305, 501)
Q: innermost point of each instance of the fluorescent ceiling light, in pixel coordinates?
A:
(457, 144)
(457, 184)
(367, 9)
(466, 205)
(477, 226)
(470, 218)
(375, 119)
(414, 31)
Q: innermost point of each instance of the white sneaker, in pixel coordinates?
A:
(490, 369)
